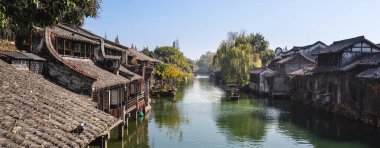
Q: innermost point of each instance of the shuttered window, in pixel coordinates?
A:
(133, 89)
(106, 100)
(115, 97)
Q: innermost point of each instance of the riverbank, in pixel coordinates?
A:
(200, 115)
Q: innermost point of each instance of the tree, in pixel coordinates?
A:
(147, 52)
(172, 73)
(171, 55)
(176, 44)
(22, 15)
(205, 62)
(237, 55)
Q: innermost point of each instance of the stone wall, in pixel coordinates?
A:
(350, 97)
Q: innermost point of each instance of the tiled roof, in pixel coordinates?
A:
(77, 33)
(104, 78)
(80, 34)
(33, 56)
(74, 33)
(16, 55)
(22, 55)
(129, 74)
(368, 59)
(373, 73)
(259, 70)
(294, 56)
(141, 56)
(272, 74)
(338, 46)
(304, 71)
(36, 113)
(297, 48)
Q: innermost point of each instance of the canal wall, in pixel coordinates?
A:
(339, 93)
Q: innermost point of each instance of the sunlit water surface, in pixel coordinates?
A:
(200, 116)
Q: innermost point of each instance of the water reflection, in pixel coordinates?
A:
(241, 121)
(135, 136)
(199, 116)
(324, 129)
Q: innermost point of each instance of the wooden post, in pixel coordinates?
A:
(121, 126)
(126, 121)
(123, 114)
(121, 131)
(104, 142)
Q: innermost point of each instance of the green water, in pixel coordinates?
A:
(199, 116)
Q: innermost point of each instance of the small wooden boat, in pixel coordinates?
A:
(232, 91)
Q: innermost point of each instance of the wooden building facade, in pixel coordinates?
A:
(258, 81)
(85, 63)
(23, 61)
(279, 84)
(333, 84)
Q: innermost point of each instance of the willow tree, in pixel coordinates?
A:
(237, 55)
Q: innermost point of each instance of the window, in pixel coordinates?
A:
(106, 100)
(108, 51)
(115, 97)
(24, 62)
(132, 89)
(77, 50)
(67, 50)
(91, 51)
(60, 46)
(83, 51)
(87, 51)
(121, 94)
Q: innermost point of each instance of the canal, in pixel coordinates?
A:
(200, 116)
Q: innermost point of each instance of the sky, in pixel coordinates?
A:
(201, 25)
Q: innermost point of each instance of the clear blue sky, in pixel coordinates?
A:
(201, 25)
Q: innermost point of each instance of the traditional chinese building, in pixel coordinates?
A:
(278, 82)
(307, 50)
(333, 84)
(369, 86)
(87, 64)
(23, 60)
(37, 113)
(258, 81)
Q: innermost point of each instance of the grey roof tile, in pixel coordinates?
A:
(35, 112)
(104, 77)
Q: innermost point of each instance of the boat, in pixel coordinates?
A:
(232, 91)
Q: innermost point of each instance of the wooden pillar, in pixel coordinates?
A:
(121, 126)
(126, 120)
(121, 131)
(104, 142)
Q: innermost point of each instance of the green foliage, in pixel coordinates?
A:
(267, 56)
(148, 53)
(237, 55)
(22, 15)
(171, 55)
(205, 62)
(172, 73)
